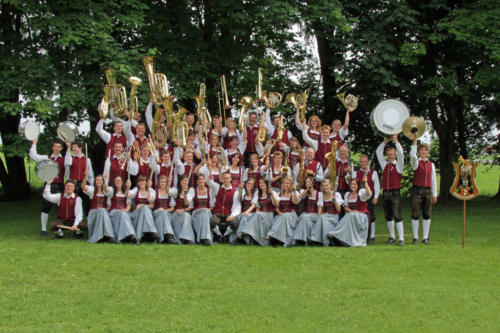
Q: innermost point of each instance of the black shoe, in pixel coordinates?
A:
(218, 239)
(299, 242)
(371, 240)
(58, 235)
(43, 233)
(206, 242)
(426, 241)
(112, 240)
(78, 234)
(171, 239)
(225, 239)
(415, 241)
(401, 243)
(391, 240)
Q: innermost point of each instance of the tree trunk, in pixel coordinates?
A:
(329, 83)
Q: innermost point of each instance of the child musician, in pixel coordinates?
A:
(392, 169)
(328, 210)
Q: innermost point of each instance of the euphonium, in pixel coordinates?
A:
(350, 102)
(221, 157)
(181, 112)
(262, 132)
(133, 104)
(117, 95)
(180, 132)
(332, 165)
(160, 133)
(246, 102)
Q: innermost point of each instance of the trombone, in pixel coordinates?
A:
(224, 97)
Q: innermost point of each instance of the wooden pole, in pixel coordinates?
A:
(463, 233)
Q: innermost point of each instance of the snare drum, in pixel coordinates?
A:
(47, 170)
(67, 131)
(30, 130)
(388, 117)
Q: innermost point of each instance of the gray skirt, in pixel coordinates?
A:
(257, 227)
(304, 226)
(351, 230)
(183, 229)
(320, 229)
(163, 224)
(283, 227)
(143, 221)
(201, 224)
(122, 224)
(99, 225)
(242, 222)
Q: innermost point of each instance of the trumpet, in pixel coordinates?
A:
(133, 104)
(350, 102)
(332, 165)
(267, 151)
(246, 103)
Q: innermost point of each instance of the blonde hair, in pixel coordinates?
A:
(286, 179)
(310, 120)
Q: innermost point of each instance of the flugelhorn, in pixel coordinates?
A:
(246, 103)
(350, 101)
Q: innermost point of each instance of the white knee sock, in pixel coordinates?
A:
(390, 227)
(228, 231)
(426, 225)
(43, 220)
(414, 228)
(216, 230)
(401, 233)
(372, 230)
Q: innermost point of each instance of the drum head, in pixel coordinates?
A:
(67, 131)
(389, 115)
(31, 130)
(47, 170)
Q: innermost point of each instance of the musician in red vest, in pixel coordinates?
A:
(321, 146)
(146, 163)
(226, 207)
(392, 169)
(119, 164)
(75, 170)
(252, 130)
(312, 167)
(140, 136)
(117, 136)
(374, 184)
(57, 185)
(69, 209)
(273, 131)
(168, 167)
(424, 190)
(339, 131)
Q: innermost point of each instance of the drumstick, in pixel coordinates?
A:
(62, 226)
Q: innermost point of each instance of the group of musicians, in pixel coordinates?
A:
(229, 186)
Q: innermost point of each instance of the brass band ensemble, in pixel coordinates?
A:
(234, 176)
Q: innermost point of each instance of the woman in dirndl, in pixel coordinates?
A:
(162, 211)
(329, 207)
(143, 198)
(201, 200)
(310, 197)
(99, 224)
(119, 206)
(181, 218)
(285, 221)
(352, 229)
(247, 196)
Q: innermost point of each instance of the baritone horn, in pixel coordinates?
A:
(350, 101)
(116, 94)
(246, 103)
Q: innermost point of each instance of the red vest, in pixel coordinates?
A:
(287, 206)
(236, 178)
(313, 166)
(224, 201)
(422, 176)
(342, 168)
(266, 205)
(293, 159)
(360, 206)
(140, 201)
(214, 177)
(60, 164)
(118, 202)
(255, 175)
(66, 209)
(314, 135)
(251, 137)
(165, 171)
(391, 178)
(77, 169)
(179, 203)
(170, 150)
(323, 148)
(329, 207)
(115, 170)
(111, 144)
(337, 138)
(245, 204)
(99, 202)
(276, 184)
(161, 203)
(311, 205)
(140, 142)
(284, 140)
(144, 170)
(227, 140)
(213, 132)
(201, 202)
(187, 169)
(359, 177)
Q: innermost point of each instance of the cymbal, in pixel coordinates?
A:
(414, 125)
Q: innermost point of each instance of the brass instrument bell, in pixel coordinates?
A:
(273, 100)
(350, 101)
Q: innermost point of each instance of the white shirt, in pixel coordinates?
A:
(322, 200)
(134, 192)
(90, 192)
(39, 158)
(106, 137)
(191, 195)
(318, 177)
(400, 157)
(414, 165)
(55, 198)
(132, 167)
(361, 194)
(214, 187)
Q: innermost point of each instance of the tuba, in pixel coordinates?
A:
(350, 102)
(117, 95)
(156, 81)
(332, 165)
(246, 103)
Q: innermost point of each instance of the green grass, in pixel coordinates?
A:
(70, 285)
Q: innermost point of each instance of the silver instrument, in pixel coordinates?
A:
(30, 130)
(47, 170)
(67, 131)
(388, 117)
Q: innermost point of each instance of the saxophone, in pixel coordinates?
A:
(302, 170)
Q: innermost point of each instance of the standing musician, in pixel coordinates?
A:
(216, 127)
(140, 136)
(253, 170)
(75, 170)
(374, 185)
(424, 190)
(272, 172)
(69, 209)
(226, 207)
(311, 167)
(294, 158)
(321, 146)
(189, 170)
(340, 132)
(251, 130)
(119, 164)
(56, 186)
(312, 128)
(229, 132)
(283, 145)
(391, 183)
(119, 130)
(344, 167)
(236, 148)
(166, 165)
(236, 170)
(191, 122)
(146, 162)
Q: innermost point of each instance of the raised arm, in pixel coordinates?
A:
(307, 139)
(380, 155)
(149, 116)
(34, 155)
(105, 136)
(400, 157)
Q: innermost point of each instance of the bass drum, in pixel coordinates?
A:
(47, 170)
(30, 130)
(388, 117)
(67, 131)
